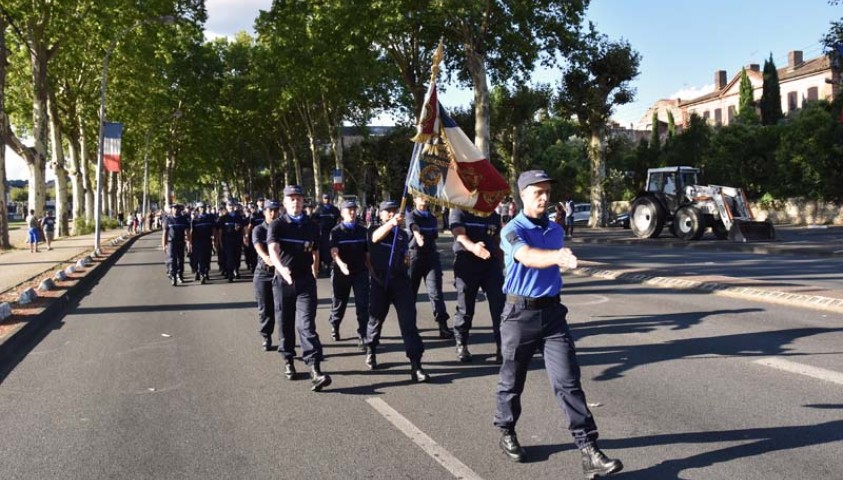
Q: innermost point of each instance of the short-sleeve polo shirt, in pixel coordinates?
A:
(524, 281)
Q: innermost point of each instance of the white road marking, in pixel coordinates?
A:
(801, 369)
(450, 462)
(567, 300)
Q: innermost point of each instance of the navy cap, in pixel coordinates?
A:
(177, 206)
(349, 204)
(271, 205)
(532, 177)
(389, 205)
(293, 190)
(326, 195)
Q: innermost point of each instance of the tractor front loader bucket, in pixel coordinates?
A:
(751, 231)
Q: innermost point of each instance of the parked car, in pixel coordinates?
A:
(621, 220)
(582, 212)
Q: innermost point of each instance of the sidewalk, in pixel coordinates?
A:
(18, 266)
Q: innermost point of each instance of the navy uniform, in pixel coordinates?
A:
(349, 245)
(425, 263)
(265, 275)
(232, 228)
(293, 241)
(392, 286)
(533, 317)
(176, 231)
(326, 216)
(202, 240)
(255, 218)
(477, 263)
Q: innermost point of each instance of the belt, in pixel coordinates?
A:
(533, 303)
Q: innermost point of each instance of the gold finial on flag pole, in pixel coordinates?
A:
(438, 56)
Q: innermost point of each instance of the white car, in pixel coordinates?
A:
(582, 212)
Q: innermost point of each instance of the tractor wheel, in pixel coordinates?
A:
(719, 230)
(688, 223)
(646, 218)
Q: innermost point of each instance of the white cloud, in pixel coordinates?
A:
(689, 93)
(227, 17)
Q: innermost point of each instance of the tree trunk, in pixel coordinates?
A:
(513, 167)
(113, 187)
(37, 160)
(597, 159)
(4, 217)
(78, 210)
(317, 169)
(297, 167)
(59, 167)
(477, 68)
(169, 169)
(87, 174)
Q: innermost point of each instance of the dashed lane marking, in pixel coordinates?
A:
(442, 456)
(802, 369)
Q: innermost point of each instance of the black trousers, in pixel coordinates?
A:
(522, 332)
(469, 275)
(202, 257)
(342, 286)
(262, 283)
(232, 248)
(175, 258)
(251, 257)
(399, 294)
(295, 311)
(428, 267)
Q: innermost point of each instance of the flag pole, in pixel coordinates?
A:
(438, 55)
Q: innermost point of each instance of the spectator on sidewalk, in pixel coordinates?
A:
(33, 225)
(48, 224)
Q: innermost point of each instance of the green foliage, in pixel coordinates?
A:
(655, 142)
(671, 125)
(771, 97)
(18, 194)
(746, 100)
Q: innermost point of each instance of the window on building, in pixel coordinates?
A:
(813, 94)
(718, 116)
(706, 115)
(730, 114)
(792, 101)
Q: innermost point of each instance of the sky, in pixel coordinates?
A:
(681, 43)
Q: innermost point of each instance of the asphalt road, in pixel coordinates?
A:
(143, 380)
(775, 271)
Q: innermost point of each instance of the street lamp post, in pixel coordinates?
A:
(145, 180)
(167, 20)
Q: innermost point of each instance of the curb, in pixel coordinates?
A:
(749, 293)
(55, 311)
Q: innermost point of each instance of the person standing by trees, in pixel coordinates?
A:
(33, 225)
(48, 225)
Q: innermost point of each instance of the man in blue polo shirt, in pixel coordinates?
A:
(533, 317)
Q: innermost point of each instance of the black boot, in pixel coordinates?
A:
(267, 343)
(204, 279)
(371, 359)
(510, 446)
(417, 373)
(289, 370)
(318, 380)
(498, 355)
(445, 331)
(361, 344)
(596, 464)
(173, 280)
(463, 355)
(335, 332)
(196, 276)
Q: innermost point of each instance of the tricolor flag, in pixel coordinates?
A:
(113, 135)
(448, 169)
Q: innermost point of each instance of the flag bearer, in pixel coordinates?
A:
(392, 286)
(293, 242)
(349, 251)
